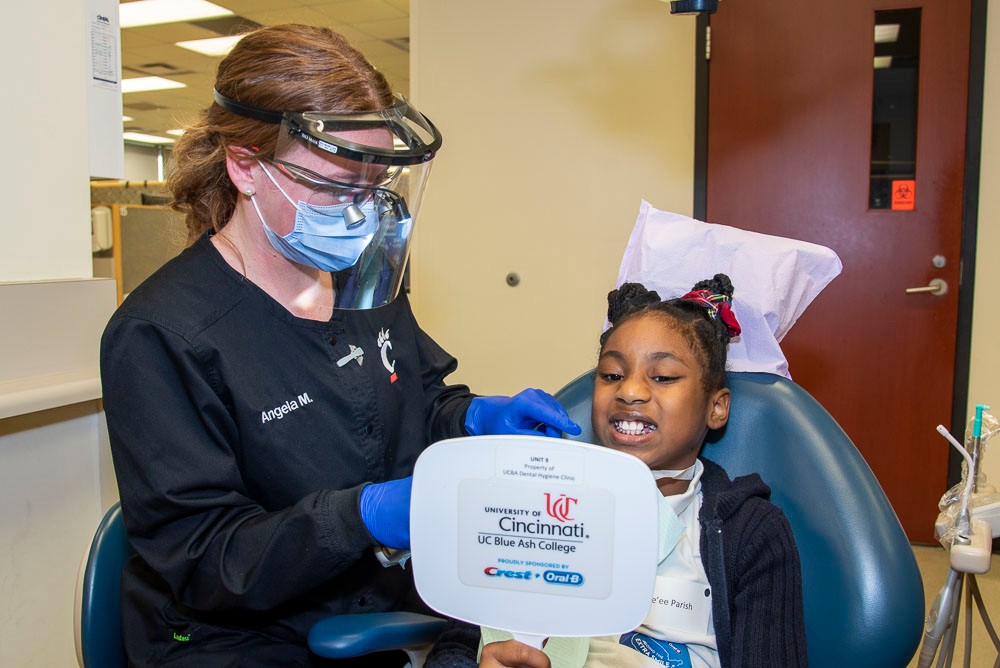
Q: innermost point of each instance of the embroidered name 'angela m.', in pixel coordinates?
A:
(284, 409)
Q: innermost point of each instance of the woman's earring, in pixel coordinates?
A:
(249, 192)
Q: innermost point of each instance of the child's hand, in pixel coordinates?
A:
(512, 654)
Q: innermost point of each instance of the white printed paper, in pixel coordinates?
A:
(549, 539)
(103, 52)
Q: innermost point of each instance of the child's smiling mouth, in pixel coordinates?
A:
(633, 427)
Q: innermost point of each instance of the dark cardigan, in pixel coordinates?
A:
(749, 555)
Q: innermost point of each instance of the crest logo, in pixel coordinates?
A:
(560, 508)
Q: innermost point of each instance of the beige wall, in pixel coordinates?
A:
(587, 107)
(984, 382)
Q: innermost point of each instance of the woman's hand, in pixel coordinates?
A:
(530, 412)
(385, 510)
(512, 654)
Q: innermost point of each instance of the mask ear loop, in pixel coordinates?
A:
(253, 200)
(353, 215)
(267, 172)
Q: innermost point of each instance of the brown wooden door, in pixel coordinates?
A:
(789, 147)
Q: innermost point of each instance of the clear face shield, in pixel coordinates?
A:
(356, 181)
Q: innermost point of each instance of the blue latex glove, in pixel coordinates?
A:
(528, 412)
(385, 510)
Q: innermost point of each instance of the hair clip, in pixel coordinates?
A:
(716, 306)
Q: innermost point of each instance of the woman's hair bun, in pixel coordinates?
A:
(629, 297)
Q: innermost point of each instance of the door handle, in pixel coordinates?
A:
(936, 287)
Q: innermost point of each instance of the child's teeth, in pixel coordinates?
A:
(633, 427)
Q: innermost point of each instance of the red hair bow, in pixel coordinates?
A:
(717, 306)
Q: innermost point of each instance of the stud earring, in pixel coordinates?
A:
(249, 192)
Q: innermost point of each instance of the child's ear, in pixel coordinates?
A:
(718, 409)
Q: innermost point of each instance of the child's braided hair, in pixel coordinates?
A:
(704, 316)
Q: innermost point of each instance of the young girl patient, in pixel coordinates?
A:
(728, 588)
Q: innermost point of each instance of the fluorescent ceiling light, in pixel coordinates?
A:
(145, 139)
(142, 84)
(150, 12)
(213, 46)
(883, 62)
(126, 119)
(886, 33)
(177, 133)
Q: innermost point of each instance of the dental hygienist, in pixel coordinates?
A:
(268, 391)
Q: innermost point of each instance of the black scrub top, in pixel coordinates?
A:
(242, 436)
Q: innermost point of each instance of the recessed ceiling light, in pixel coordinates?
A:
(141, 84)
(145, 139)
(883, 62)
(150, 12)
(213, 46)
(886, 33)
(126, 119)
(177, 133)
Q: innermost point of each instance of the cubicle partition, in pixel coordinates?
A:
(135, 233)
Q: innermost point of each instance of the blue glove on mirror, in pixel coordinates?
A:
(385, 510)
(529, 413)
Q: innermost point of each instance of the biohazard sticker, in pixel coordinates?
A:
(904, 195)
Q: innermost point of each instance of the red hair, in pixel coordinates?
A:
(282, 68)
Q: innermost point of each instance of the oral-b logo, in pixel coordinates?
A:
(563, 578)
(495, 572)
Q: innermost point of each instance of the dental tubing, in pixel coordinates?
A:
(957, 505)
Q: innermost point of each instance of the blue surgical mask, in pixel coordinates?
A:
(321, 237)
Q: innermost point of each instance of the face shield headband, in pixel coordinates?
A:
(414, 138)
(375, 164)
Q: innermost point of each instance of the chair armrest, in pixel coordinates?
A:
(345, 636)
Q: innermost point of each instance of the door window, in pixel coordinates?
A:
(893, 169)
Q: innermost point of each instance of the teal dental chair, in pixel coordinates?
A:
(97, 613)
(863, 596)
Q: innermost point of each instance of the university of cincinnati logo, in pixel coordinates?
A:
(560, 508)
(385, 345)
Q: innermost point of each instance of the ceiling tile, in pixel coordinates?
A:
(365, 23)
(272, 17)
(242, 6)
(388, 29)
(360, 11)
(168, 33)
(402, 5)
(380, 52)
(132, 39)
